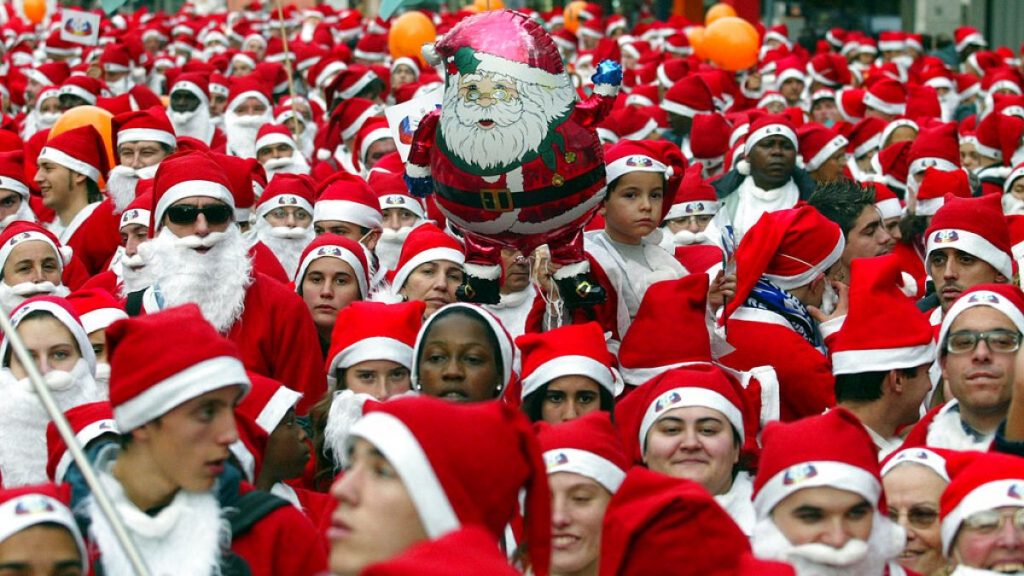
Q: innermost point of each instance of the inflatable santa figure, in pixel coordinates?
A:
(513, 158)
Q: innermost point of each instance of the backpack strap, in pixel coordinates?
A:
(253, 507)
(133, 304)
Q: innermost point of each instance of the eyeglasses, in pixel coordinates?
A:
(966, 341)
(989, 521)
(920, 517)
(188, 213)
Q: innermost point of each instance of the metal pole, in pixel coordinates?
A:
(288, 57)
(72, 443)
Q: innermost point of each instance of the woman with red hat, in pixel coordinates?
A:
(332, 273)
(429, 268)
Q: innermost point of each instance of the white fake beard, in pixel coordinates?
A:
(196, 123)
(687, 238)
(286, 243)
(36, 121)
(307, 139)
(389, 246)
(23, 428)
(135, 272)
(520, 126)
(192, 522)
(11, 296)
(855, 558)
(948, 104)
(1012, 206)
(122, 182)
(241, 132)
(24, 214)
(102, 379)
(122, 86)
(216, 281)
(829, 299)
(294, 164)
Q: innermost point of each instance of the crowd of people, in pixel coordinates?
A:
(793, 350)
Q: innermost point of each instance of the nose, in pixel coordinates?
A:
(453, 370)
(689, 440)
(692, 225)
(392, 222)
(1009, 536)
(950, 271)
(982, 353)
(131, 247)
(202, 227)
(440, 283)
(559, 517)
(289, 220)
(327, 291)
(229, 430)
(645, 203)
(572, 410)
(834, 534)
(345, 489)
(38, 178)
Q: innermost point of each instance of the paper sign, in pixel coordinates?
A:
(404, 118)
(79, 27)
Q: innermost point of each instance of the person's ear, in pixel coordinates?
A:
(895, 381)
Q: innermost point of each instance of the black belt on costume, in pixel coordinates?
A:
(504, 200)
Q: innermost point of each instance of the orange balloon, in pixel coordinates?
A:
(93, 116)
(409, 32)
(35, 10)
(695, 34)
(572, 15)
(488, 5)
(732, 43)
(717, 12)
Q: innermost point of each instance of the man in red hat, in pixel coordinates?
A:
(249, 108)
(853, 208)
(190, 109)
(143, 139)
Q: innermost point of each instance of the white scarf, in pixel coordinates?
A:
(947, 431)
(186, 537)
(754, 202)
(513, 309)
(738, 502)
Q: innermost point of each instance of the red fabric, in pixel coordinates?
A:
(75, 275)
(806, 384)
(912, 264)
(918, 435)
(105, 280)
(282, 542)
(698, 258)
(264, 262)
(97, 239)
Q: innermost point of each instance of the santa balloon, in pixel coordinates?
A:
(512, 157)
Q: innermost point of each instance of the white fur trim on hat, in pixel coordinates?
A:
(680, 109)
(585, 463)
(975, 38)
(974, 244)
(920, 456)
(694, 208)
(8, 247)
(237, 100)
(922, 164)
(33, 509)
(101, 318)
(274, 138)
(878, 104)
(283, 400)
(790, 282)
(283, 201)
(638, 100)
(890, 208)
(216, 88)
(352, 129)
(347, 211)
(401, 448)
(994, 153)
(358, 85)
(634, 163)
(189, 189)
(430, 255)
(329, 69)
(988, 496)
(376, 348)
(928, 206)
(196, 380)
(867, 146)
(8, 183)
(816, 474)
(569, 365)
(402, 201)
(148, 135)
(882, 360)
(80, 92)
(979, 298)
(71, 163)
(686, 397)
(342, 254)
(520, 70)
(835, 145)
(651, 126)
(374, 136)
(766, 131)
(138, 216)
(84, 436)
(1007, 184)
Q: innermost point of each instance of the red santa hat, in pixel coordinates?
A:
(23, 231)
(575, 350)
(44, 504)
(887, 96)
(643, 353)
(688, 97)
(184, 175)
(850, 102)
(933, 459)
(789, 68)
(981, 481)
(334, 246)
(989, 141)
(788, 247)
(84, 87)
(60, 309)
(272, 134)
(12, 173)
(144, 125)
(770, 125)
(818, 144)
(510, 362)
(146, 383)
(892, 40)
(865, 136)
(372, 47)
(88, 422)
(351, 114)
(936, 186)
(832, 450)
(886, 201)
(465, 464)
(392, 192)
(626, 123)
(709, 138)
(1016, 173)
(194, 83)
(976, 226)
(372, 130)
(245, 87)
(831, 70)
(660, 156)
(49, 73)
(588, 446)
(368, 331)
(1005, 298)
(965, 36)
(937, 146)
(771, 97)
(348, 198)
(349, 82)
(426, 243)
(695, 197)
(324, 70)
(267, 402)
(866, 343)
(96, 308)
(80, 150)
(246, 178)
(287, 190)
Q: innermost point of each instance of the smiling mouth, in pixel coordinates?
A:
(1009, 568)
(486, 123)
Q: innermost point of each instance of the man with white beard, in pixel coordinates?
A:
(50, 74)
(401, 211)
(300, 121)
(14, 193)
(31, 263)
(190, 108)
(117, 68)
(249, 108)
(818, 499)
(198, 255)
(683, 230)
(44, 112)
(284, 218)
(277, 152)
(142, 139)
(55, 338)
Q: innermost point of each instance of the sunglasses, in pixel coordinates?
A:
(188, 213)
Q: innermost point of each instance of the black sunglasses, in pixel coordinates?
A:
(188, 213)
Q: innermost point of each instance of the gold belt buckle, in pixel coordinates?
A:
(496, 199)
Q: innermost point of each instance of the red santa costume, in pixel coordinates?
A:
(98, 309)
(784, 250)
(943, 426)
(694, 250)
(286, 242)
(269, 323)
(89, 422)
(467, 550)
(834, 451)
